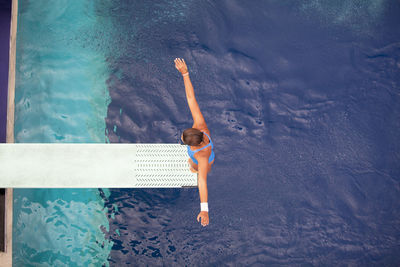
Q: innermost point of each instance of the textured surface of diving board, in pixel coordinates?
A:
(95, 165)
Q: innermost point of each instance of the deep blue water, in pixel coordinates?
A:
(302, 101)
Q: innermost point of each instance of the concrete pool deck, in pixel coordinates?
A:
(6, 257)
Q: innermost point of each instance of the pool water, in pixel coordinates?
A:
(302, 101)
(61, 96)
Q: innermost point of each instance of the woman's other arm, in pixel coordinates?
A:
(203, 192)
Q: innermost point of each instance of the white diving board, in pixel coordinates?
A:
(61, 165)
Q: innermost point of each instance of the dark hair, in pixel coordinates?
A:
(192, 137)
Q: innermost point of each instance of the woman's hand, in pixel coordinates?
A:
(180, 65)
(203, 215)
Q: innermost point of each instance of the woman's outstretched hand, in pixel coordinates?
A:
(180, 65)
(203, 215)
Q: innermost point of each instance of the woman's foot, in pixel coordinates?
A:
(191, 168)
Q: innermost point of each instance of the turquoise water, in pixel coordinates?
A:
(61, 96)
(61, 93)
(59, 227)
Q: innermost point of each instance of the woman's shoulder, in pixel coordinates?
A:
(205, 130)
(202, 128)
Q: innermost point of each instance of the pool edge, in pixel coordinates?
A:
(6, 257)
(11, 74)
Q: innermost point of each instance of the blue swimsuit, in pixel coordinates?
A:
(191, 152)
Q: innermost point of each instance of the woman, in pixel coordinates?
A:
(200, 146)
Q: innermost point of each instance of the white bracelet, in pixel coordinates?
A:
(204, 206)
(186, 74)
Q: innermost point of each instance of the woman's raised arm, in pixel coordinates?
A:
(198, 118)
